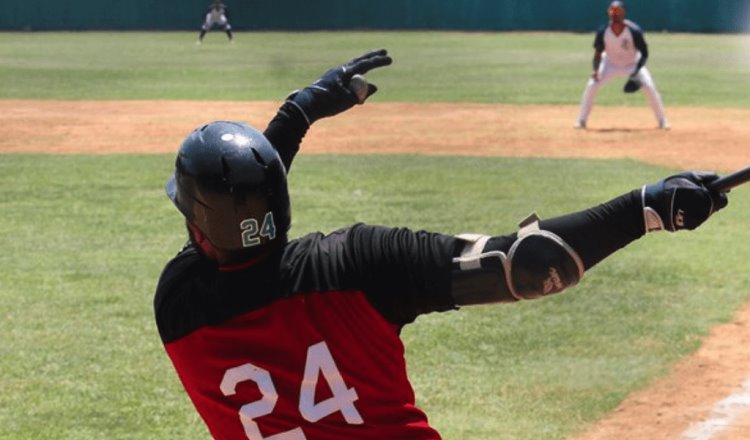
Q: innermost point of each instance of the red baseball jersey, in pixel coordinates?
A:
(306, 345)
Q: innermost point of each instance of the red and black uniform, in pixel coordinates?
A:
(351, 291)
(304, 343)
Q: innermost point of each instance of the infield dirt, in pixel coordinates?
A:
(706, 138)
(715, 139)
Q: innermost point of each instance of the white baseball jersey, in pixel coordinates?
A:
(217, 15)
(625, 49)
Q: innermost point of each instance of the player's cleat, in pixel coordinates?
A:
(198, 43)
(664, 124)
(580, 125)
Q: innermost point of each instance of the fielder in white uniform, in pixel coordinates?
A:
(217, 14)
(620, 50)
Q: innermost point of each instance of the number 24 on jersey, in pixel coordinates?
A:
(319, 360)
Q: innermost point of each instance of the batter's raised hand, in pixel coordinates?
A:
(330, 94)
(682, 201)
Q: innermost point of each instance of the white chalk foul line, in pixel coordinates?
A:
(723, 414)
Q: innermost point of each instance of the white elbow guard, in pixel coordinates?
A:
(538, 263)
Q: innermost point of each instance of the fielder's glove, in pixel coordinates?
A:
(682, 201)
(330, 94)
(632, 85)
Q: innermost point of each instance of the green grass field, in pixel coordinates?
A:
(85, 237)
(517, 68)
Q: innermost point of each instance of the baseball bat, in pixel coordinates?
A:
(724, 184)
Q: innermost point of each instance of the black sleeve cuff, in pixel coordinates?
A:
(600, 231)
(285, 132)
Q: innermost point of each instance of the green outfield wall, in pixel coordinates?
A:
(465, 15)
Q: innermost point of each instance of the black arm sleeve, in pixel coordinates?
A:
(403, 273)
(598, 48)
(593, 233)
(640, 43)
(285, 132)
(599, 39)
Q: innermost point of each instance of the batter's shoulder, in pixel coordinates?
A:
(177, 271)
(315, 261)
(186, 257)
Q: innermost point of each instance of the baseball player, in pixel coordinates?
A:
(278, 338)
(218, 15)
(620, 50)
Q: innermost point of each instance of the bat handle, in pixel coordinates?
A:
(725, 183)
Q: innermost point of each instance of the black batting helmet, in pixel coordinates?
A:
(230, 183)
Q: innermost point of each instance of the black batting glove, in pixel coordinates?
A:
(329, 95)
(682, 201)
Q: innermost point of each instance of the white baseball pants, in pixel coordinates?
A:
(608, 72)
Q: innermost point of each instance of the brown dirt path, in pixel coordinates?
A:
(706, 138)
(670, 406)
(701, 138)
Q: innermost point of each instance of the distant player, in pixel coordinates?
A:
(217, 15)
(620, 50)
